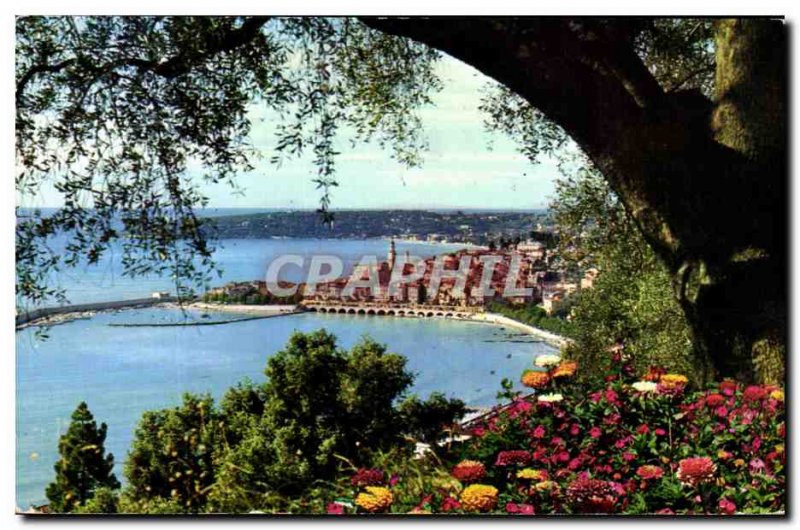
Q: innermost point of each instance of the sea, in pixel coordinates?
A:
(123, 371)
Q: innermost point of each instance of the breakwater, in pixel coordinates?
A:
(196, 323)
(27, 317)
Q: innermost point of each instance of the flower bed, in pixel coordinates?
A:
(636, 445)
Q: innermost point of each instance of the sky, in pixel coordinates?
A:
(460, 170)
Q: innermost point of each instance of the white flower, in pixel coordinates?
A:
(550, 398)
(545, 361)
(645, 386)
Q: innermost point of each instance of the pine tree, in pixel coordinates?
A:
(83, 466)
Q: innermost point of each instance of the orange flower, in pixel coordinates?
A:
(565, 369)
(535, 379)
(469, 471)
(649, 472)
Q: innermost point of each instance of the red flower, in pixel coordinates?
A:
(450, 504)
(469, 471)
(650, 472)
(510, 458)
(696, 470)
(714, 400)
(754, 393)
(334, 508)
(728, 387)
(367, 477)
(727, 507)
(643, 429)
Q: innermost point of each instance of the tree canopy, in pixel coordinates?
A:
(121, 115)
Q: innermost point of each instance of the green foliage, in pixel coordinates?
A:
(632, 299)
(105, 501)
(171, 455)
(268, 444)
(84, 468)
(425, 420)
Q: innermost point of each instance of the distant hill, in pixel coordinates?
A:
(459, 226)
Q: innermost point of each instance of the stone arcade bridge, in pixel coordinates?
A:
(404, 310)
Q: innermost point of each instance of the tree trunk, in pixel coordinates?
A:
(705, 181)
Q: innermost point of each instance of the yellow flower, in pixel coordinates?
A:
(673, 380)
(531, 474)
(479, 498)
(565, 369)
(376, 499)
(779, 449)
(546, 485)
(738, 462)
(777, 395)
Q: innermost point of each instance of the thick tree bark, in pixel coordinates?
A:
(705, 181)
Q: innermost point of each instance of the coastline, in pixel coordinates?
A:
(66, 314)
(550, 338)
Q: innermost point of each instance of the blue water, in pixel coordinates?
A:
(121, 372)
(240, 259)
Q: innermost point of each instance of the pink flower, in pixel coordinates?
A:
(595, 432)
(643, 429)
(522, 509)
(660, 432)
(628, 457)
(539, 432)
(757, 466)
(334, 508)
(574, 430)
(665, 511)
(588, 495)
(478, 431)
(727, 507)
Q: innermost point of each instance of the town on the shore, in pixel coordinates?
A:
(514, 273)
